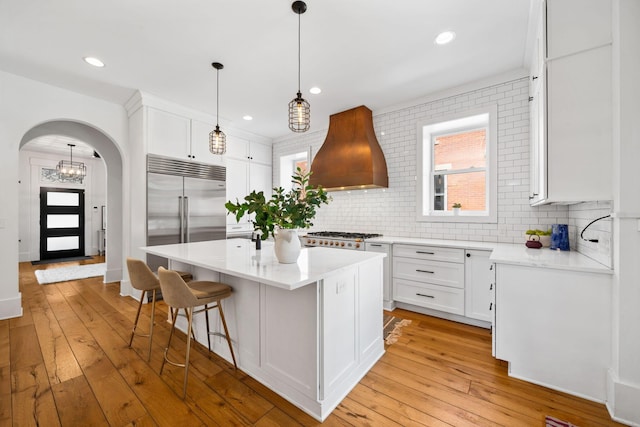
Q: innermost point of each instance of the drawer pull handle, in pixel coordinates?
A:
(424, 271)
(425, 295)
(491, 287)
(425, 253)
(375, 245)
(490, 306)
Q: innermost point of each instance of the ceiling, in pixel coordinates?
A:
(376, 53)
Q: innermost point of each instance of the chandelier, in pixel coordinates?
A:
(69, 168)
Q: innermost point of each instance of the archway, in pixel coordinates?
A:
(113, 159)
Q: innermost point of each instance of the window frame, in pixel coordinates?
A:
(450, 124)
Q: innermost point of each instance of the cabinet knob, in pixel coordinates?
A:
(530, 98)
(534, 77)
(533, 196)
(468, 255)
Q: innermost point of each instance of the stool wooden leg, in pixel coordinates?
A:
(173, 328)
(206, 317)
(135, 323)
(186, 363)
(153, 316)
(226, 333)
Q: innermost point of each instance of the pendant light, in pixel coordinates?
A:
(217, 138)
(299, 110)
(68, 169)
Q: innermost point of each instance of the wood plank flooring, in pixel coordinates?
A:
(65, 362)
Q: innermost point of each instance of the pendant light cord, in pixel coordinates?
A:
(217, 97)
(299, 61)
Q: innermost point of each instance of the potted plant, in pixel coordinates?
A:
(456, 208)
(282, 214)
(543, 236)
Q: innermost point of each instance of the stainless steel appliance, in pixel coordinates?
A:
(185, 203)
(337, 239)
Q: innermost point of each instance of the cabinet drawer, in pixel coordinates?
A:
(441, 298)
(434, 272)
(433, 253)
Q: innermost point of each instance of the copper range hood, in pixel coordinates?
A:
(350, 157)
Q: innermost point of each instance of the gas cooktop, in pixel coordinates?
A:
(338, 239)
(343, 235)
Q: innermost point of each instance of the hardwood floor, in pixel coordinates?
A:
(65, 362)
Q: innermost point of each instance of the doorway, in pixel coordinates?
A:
(61, 223)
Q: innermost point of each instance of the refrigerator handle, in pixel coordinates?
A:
(181, 210)
(187, 238)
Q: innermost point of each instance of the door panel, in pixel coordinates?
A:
(206, 211)
(61, 223)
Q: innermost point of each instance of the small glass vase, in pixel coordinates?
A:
(287, 245)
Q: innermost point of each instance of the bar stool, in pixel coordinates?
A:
(178, 294)
(145, 280)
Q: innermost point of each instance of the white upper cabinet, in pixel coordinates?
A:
(199, 145)
(180, 137)
(168, 134)
(577, 25)
(571, 103)
(239, 148)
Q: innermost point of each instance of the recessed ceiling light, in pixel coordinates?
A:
(445, 37)
(247, 117)
(315, 90)
(93, 61)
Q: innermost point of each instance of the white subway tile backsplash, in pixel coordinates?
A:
(392, 211)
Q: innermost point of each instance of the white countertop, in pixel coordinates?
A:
(466, 244)
(544, 257)
(508, 253)
(238, 257)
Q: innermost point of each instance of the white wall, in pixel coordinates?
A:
(94, 186)
(392, 211)
(25, 104)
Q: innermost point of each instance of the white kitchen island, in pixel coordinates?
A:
(309, 331)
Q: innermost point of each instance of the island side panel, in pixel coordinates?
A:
(289, 345)
(351, 334)
(339, 334)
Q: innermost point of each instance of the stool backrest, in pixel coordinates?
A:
(141, 276)
(175, 291)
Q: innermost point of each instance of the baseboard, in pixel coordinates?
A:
(11, 307)
(622, 400)
(111, 276)
(443, 315)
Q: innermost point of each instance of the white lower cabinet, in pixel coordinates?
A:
(419, 278)
(450, 282)
(554, 327)
(478, 285)
(387, 288)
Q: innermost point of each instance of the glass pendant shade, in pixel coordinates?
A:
(217, 141)
(299, 114)
(69, 168)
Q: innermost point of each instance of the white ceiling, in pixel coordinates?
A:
(377, 53)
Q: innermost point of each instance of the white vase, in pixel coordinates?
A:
(456, 211)
(287, 245)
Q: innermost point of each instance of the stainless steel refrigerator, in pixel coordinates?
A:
(185, 203)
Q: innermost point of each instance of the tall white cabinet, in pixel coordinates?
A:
(571, 103)
(249, 168)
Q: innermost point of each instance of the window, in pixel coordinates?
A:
(288, 166)
(458, 165)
